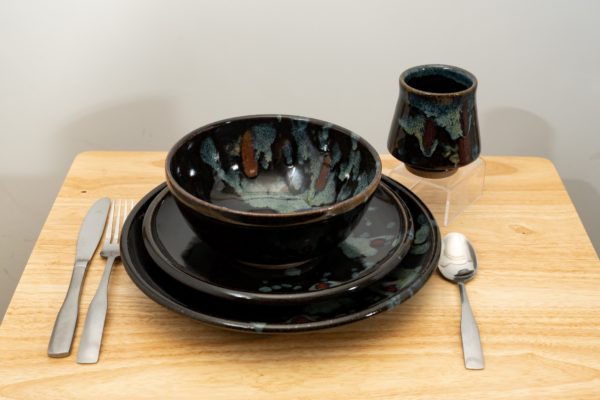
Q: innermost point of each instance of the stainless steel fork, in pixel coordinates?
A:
(91, 339)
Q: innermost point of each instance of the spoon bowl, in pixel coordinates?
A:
(458, 262)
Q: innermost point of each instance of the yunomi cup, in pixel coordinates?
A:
(435, 130)
(272, 191)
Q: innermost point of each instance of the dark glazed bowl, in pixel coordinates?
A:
(272, 191)
(435, 130)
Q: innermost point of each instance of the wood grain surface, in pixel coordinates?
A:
(536, 299)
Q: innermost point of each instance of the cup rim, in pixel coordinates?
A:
(457, 70)
(225, 213)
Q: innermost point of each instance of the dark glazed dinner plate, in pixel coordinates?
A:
(398, 285)
(375, 246)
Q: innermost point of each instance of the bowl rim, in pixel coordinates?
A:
(224, 213)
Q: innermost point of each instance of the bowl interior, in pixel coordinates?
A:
(272, 164)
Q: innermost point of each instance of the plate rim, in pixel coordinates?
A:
(390, 261)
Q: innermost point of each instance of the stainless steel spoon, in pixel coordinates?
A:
(458, 264)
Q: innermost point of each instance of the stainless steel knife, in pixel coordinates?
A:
(90, 234)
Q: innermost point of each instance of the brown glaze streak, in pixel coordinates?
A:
(249, 162)
(464, 142)
(278, 157)
(375, 243)
(429, 134)
(324, 173)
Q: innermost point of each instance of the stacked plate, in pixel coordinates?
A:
(387, 254)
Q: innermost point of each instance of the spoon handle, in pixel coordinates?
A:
(471, 342)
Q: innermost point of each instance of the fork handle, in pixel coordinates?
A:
(66, 320)
(91, 339)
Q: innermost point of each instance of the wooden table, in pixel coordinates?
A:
(536, 298)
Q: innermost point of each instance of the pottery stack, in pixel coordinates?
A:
(276, 223)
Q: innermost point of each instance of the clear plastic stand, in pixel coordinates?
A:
(446, 197)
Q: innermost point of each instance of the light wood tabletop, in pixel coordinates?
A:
(536, 298)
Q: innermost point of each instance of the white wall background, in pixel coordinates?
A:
(81, 75)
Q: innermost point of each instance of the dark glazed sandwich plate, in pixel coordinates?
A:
(398, 285)
(375, 246)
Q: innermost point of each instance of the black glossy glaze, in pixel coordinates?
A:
(272, 190)
(435, 130)
(376, 245)
(397, 286)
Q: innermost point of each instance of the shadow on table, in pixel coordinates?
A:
(586, 199)
(25, 201)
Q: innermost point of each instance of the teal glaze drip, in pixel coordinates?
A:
(233, 148)
(420, 248)
(355, 247)
(324, 196)
(361, 183)
(421, 242)
(327, 194)
(280, 202)
(450, 121)
(264, 136)
(369, 264)
(345, 191)
(210, 155)
(422, 234)
(285, 193)
(445, 114)
(450, 153)
(299, 132)
(336, 155)
(415, 126)
(324, 138)
(355, 138)
(287, 153)
(352, 166)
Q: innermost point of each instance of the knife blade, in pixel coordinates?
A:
(90, 234)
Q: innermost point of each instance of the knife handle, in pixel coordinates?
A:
(66, 320)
